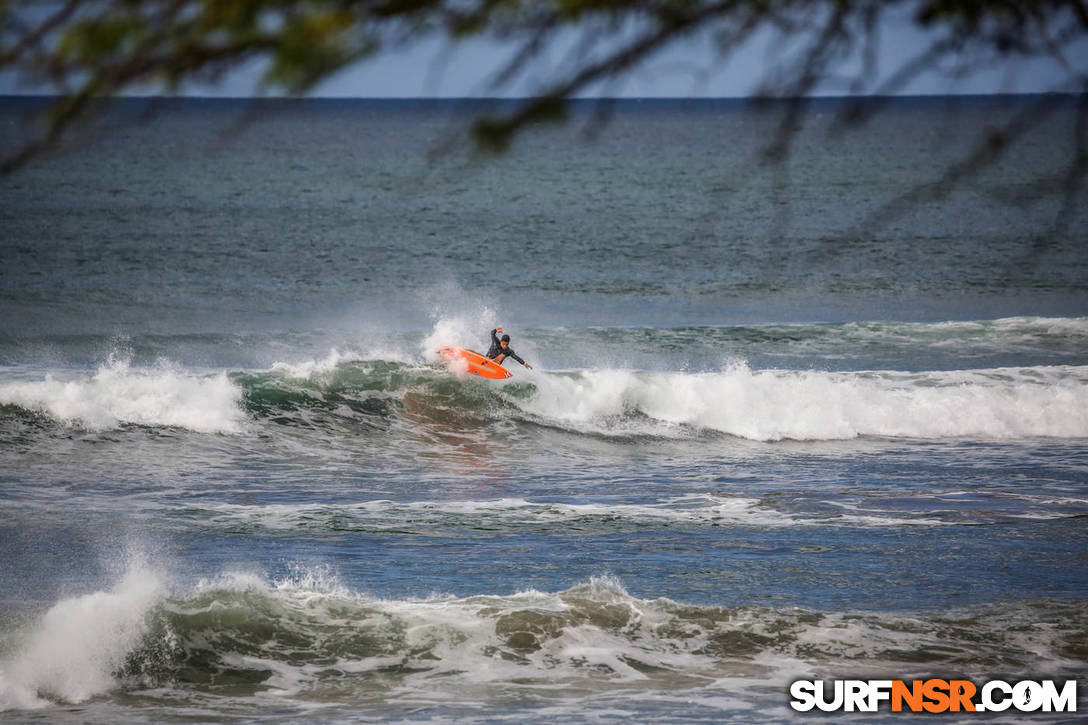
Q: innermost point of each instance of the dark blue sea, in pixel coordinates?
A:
(820, 418)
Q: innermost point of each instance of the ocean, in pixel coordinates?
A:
(819, 419)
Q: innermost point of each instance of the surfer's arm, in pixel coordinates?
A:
(514, 355)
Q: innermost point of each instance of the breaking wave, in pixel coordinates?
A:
(119, 394)
(772, 405)
(77, 648)
(306, 636)
(339, 394)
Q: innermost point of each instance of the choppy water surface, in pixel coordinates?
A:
(762, 440)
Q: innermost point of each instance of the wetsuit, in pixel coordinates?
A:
(496, 349)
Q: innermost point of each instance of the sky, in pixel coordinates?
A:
(691, 67)
(687, 68)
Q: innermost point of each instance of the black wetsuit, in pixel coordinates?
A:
(496, 349)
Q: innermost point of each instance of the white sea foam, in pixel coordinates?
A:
(1066, 326)
(118, 394)
(80, 642)
(307, 369)
(691, 509)
(772, 405)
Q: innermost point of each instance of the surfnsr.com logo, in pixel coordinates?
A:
(933, 695)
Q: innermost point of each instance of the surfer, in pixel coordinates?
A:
(500, 349)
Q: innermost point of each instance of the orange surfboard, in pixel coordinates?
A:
(476, 364)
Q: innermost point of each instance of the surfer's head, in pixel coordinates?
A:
(505, 340)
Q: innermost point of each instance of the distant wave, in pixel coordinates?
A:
(759, 405)
(433, 517)
(310, 637)
(1040, 340)
(1001, 331)
(1058, 339)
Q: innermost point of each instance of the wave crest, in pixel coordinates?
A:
(79, 645)
(118, 394)
(773, 405)
(307, 635)
(337, 395)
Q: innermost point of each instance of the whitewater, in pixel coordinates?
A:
(450, 652)
(761, 405)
